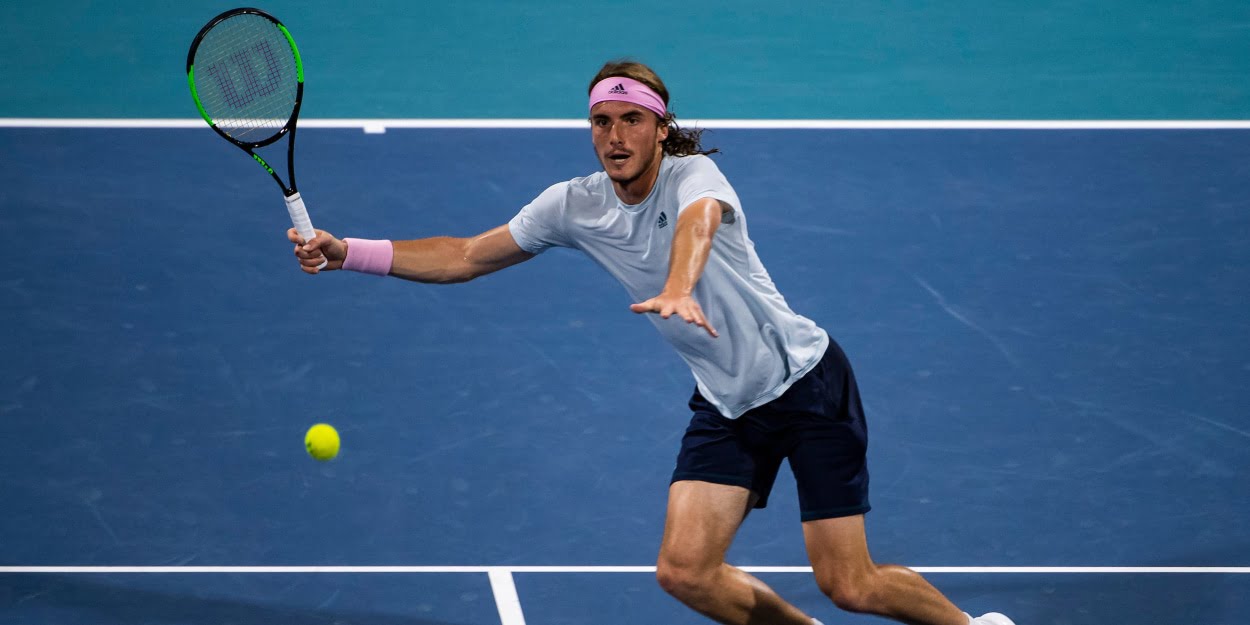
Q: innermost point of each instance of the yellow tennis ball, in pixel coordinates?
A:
(322, 442)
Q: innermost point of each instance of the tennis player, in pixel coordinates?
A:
(770, 384)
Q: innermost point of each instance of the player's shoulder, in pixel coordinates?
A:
(588, 181)
(573, 187)
(692, 160)
(591, 188)
(692, 163)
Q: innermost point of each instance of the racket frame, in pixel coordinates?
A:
(287, 130)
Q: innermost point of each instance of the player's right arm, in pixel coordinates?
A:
(440, 260)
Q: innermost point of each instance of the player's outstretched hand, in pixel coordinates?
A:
(683, 306)
(322, 247)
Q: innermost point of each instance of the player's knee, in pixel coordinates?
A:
(852, 594)
(683, 581)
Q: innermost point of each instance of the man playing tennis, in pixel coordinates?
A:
(770, 384)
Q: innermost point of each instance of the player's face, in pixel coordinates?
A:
(627, 140)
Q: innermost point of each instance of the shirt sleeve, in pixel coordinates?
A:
(540, 224)
(702, 178)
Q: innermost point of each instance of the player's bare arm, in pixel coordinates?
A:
(447, 260)
(692, 242)
(439, 260)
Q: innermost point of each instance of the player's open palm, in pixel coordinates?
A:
(666, 305)
(323, 247)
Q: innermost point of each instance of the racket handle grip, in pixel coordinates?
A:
(299, 219)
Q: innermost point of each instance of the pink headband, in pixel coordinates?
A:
(624, 89)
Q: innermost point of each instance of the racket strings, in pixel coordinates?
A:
(246, 77)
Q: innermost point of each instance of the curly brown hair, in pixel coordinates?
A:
(680, 141)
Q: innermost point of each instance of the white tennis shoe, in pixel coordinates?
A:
(993, 618)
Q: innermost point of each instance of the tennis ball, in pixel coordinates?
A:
(322, 442)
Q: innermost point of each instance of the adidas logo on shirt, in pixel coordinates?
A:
(619, 89)
(662, 221)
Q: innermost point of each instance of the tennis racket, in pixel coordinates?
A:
(247, 80)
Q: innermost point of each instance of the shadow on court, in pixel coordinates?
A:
(67, 599)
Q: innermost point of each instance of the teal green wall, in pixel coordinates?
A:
(778, 59)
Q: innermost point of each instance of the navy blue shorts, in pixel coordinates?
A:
(818, 425)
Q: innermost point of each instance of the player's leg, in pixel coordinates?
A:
(846, 574)
(702, 520)
(831, 472)
(725, 468)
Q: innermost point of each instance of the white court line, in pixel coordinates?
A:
(1238, 570)
(506, 599)
(380, 125)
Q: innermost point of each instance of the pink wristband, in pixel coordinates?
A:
(369, 256)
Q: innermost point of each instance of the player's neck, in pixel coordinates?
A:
(637, 190)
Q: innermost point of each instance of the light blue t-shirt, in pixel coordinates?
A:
(763, 346)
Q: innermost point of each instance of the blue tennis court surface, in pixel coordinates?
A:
(1049, 329)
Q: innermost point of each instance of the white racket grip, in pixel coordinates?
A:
(299, 219)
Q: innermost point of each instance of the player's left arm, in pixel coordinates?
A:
(692, 242)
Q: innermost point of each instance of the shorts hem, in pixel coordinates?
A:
(834, 513)
(727, 480)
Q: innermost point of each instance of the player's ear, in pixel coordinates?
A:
(662, 131)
